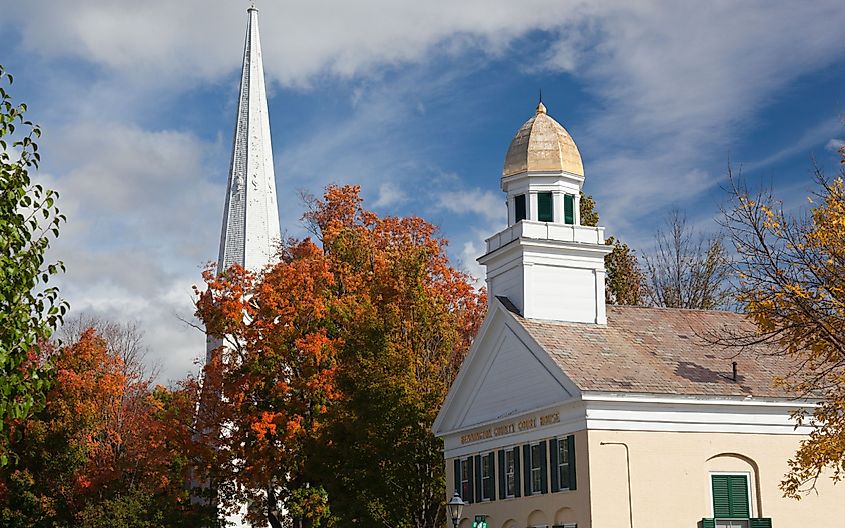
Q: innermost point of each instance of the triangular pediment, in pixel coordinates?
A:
(505, 374)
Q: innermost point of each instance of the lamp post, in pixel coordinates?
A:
(455, 506)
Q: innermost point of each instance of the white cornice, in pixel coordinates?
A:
(642, 412)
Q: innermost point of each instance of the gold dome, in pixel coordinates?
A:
(542, 145)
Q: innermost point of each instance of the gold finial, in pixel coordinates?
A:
(541, 108)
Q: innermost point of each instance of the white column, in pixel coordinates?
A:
(511, 211)
(577, 211)
(557, 206)
(601, 308)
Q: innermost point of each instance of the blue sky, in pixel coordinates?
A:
(414, 101)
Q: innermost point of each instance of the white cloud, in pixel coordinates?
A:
(678, 82)
(672, 81)
(390, 194)
(142, 217)
(165, 41)
(487, 205)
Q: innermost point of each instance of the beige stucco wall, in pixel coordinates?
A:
(670, 483)
(670, 478)
(538, 510)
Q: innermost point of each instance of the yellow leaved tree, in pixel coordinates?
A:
(791, 282)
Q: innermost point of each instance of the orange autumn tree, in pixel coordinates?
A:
(415, 320)
(105, 447)
(269, 384)
(792, 284)
(336, 362)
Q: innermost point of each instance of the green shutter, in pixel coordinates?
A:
(568, 209)
(762, 522)
(554, 464)
(457, 462)
(503, 476)
(739, 496)
(721, 496)
(470, 478)
(730, 496)
(491, 486)
(545, 209)
(526, 452)
(707, 523)
(478, 481)
(519, 208)
(517, 485)
(570, 451)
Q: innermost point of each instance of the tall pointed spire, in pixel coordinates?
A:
(251, 215)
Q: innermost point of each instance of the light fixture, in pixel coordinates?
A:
(455, 507)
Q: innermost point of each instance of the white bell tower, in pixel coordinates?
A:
(545, 262)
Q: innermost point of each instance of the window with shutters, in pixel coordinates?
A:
(486, 477)
(466, 483)
(510, 473)
(519, 208)
(563, 463)
(731, 500)
(545, 210)
(536, 469)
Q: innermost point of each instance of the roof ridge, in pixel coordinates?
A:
(672, 309)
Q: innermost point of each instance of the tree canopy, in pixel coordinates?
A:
(791, 283)
(106, 446)
(624, 281)
(30, 309)
(685, 269)
(335, 362)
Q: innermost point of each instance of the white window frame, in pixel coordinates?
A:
(486, 478)
(510, 473)
(563, 467)
(465, 480)
(538, 490)
(748, 481)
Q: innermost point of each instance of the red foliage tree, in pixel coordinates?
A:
(377, 309)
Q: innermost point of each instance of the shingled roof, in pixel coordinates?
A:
(659, 351)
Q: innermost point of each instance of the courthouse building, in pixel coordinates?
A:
(570, 413)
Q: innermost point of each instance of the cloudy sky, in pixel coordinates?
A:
(414, 101)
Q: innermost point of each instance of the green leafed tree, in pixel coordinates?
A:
(30, 309)
(624, 281)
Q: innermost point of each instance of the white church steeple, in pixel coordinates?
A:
(545, 262)
(250, 216)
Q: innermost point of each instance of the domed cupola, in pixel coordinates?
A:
(545, 262)
(542, 145)
(543, 173)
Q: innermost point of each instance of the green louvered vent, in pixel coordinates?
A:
(545, 211)
(739, 496)
(761, 522)
(721, 496)
(568, 209)
(730, 496)
(707, 523)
